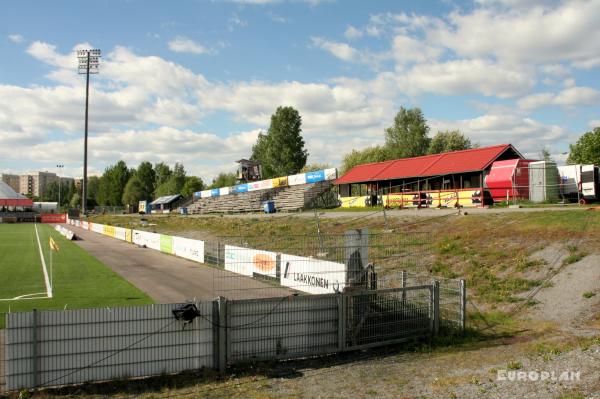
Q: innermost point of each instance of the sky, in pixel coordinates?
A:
(196, 81)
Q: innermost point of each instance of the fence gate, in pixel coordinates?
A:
(389, 316)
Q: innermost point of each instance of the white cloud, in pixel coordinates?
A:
(352, 33)
(594, 123)
(467, 76)
(343, 51)
(543, 34)
(16, 38)
(184, 45)
(570, 97)
(526, 134)
(408, 50)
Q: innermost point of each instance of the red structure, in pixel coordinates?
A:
(448, 179)
(509, 179)
(54, 218)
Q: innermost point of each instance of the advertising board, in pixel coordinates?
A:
(189, 249)
(150, 240)
(54, 218)
(311, 275)
(248, 261)
(295, 180)
(166, 244)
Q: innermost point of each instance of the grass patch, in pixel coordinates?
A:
(514, 365)
(79, 279)
(589, 294)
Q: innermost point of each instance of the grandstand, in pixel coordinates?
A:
(290, 193)
(292, 198)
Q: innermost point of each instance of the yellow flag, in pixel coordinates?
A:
(53, 245)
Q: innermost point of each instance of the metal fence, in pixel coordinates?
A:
(453, 295)
(52, 348)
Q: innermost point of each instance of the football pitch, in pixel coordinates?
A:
(34, 277)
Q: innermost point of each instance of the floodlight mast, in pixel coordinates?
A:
(88, 63)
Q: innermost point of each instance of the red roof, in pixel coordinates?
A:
(446, 163)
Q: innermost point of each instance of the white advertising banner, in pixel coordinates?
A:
(205, 194)
(253, 186)
(331, 174)
(120, 233)
(295, 180)
(311, 275)
(265, 184)
(189, 249)
(98, 228)
(224, 191)
(85, 225)
(247, 261)
(150, 240)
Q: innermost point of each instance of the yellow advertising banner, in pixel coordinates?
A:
(434, 199)
(109, 231)
(280, 181)
(354, 202)
(128, 235)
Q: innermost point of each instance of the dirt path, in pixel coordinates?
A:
(167, 278)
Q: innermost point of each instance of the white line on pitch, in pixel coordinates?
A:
(46, 279)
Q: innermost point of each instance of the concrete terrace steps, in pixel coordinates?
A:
(291, 198)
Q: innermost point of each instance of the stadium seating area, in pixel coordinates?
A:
(292, 198)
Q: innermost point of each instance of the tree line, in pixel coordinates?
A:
(281, 152)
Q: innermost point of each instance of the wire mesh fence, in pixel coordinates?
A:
(314, 264)
(452, 294)
(54, 348)
(2, 356)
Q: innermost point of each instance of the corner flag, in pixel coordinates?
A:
(53, 245)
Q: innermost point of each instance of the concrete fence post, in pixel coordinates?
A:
(222, 336)
(463, 304)
(34, 348)
(342, 301)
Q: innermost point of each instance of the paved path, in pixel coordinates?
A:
(167, 278)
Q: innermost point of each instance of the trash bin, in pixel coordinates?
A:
(183, 211)
(269, 206)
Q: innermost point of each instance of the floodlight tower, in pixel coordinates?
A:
(60, 168)
(88, 64)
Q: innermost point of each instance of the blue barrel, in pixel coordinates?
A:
(269, 206)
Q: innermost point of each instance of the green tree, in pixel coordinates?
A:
(112, 184)
(408, 136)
(545, 155)
(366, 155)
(174, 184)
(92, 190)
(315, 166)
(587, 149)
(147, 176)
(191, 185)
(224, 180)
(134, 191)
(75, 201)
(281, 151)
(449, 141)
(162, 174)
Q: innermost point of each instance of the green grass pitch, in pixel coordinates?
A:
(79, 280)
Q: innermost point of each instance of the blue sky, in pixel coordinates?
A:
(195, 81)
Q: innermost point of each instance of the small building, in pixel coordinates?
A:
(248, 171)
(456, 178)
(165, 204)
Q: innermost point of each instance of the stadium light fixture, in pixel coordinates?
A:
(89, 61)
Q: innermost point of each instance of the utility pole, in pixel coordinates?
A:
(88, 64)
